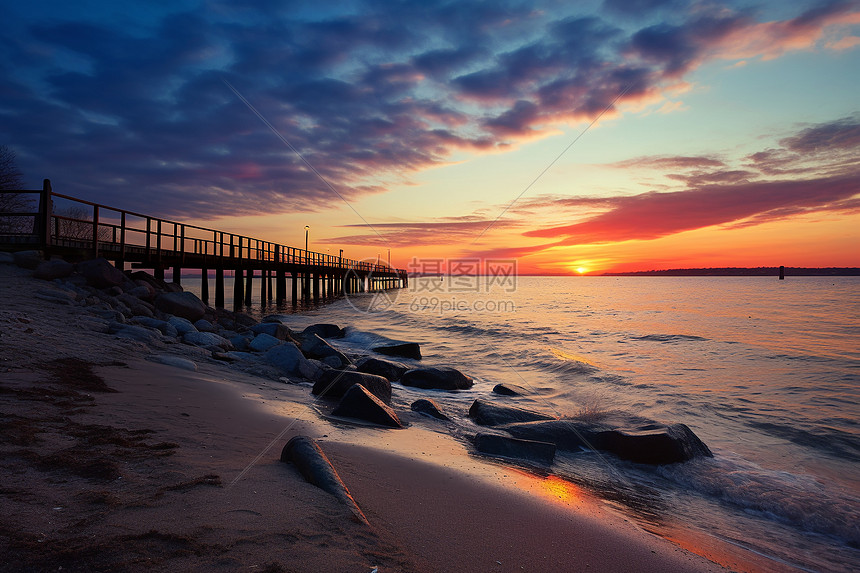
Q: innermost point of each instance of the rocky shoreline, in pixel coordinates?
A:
(112, 317)
(139, 307)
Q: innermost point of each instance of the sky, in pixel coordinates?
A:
(570, 137)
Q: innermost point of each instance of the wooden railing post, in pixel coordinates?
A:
(45, 208)
(95, 231)
(122, 241)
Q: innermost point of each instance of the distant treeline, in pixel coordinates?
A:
(745, 272)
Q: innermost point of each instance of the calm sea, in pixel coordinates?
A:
(766, 372)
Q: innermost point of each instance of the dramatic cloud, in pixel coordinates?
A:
(826, 154)
(424, 234)
(126, 108)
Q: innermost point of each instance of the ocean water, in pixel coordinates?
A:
(765, 372)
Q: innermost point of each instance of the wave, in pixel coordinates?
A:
(838, 443)
(669, 337)
(795, 499)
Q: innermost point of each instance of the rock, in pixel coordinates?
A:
(334, 362)
(438, 378)
(136, 306)
(386, 368)
(654, 444)
(176, 361)
(486, 413)
(100, 273)
(406, 350)
(140, 333)
(204, 325)
(60, 296)
(565, 434)
(276, 329)
(323, 331)
(53, 269)
(28, 259)
(315, 347)
(263, 342)
(143, 292)
(494, 445)
(181, 304)
(316, 468)
(6, 258)
(360, 403)
(182, 325)
(286, 357)
(509, 390)
(234, 355)
(206, 339)
(335, 383)
(240, 342)
(429, 408)
(164, 327)
(311, 369)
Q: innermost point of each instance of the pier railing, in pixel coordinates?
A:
(102, 230)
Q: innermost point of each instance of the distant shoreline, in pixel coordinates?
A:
(745, 272)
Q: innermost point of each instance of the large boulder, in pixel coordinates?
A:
(286, 357)
(406, 350)
(335, 383)
(360, 403)
(315, 347)
(182, 304)
(100, 273)
(323, 331)
(137, 306)
(437, 378)
(263, 342)
(53, 269)
(495, 445)
(486, 413)
(654, 444)
(182, 325)
(429, 408)
(385, 368)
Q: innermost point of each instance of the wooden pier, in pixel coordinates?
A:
(88, 230)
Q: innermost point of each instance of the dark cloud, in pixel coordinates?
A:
(125, 112)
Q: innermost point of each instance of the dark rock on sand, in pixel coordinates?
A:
(429, 408)
(406, 350)
(206, 340)
(100, 273)
(438, 378)
(335, 383)
(565, 434)
(182, 304)
(316, 468)
(494, 445)
(386, 368)
(262, 342)
(286, 357)
(53, 269)
(509, 390)
(654, 444)
(360, 403)
(323, 331)
(487, 413)
(315, 347)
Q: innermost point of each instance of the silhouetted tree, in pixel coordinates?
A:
(11, 179)
(76, 223)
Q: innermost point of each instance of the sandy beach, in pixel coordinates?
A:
(112, 461)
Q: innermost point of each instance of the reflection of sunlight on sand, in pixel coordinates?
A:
(550, 488)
